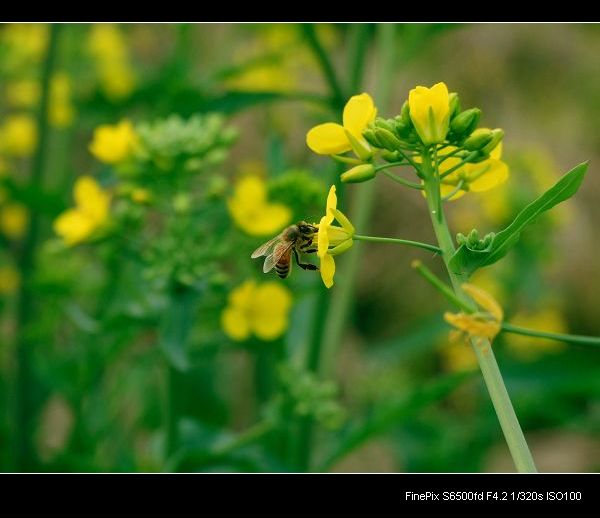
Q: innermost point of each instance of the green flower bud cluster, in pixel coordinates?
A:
(472, 241)
(304, 395)
(298, 189)
(190, 145)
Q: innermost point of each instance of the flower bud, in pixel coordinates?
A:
(402, 128)
(388, 140)
(391, 156)
(360, 147)
(465, 122)
(385, 124)
(473, 237)
(479, 138)
(371, 138)
(497, 136)
(405, 114)
(359, 173)
(454, 104)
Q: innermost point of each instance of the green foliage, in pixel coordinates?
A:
(468, 258)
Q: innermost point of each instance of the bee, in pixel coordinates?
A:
(295, 239)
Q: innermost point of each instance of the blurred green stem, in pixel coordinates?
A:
(329, 324)
(23, 419)
(310, 34)
(571, 339)
(343, 295)
(482, 348)
(359, 43)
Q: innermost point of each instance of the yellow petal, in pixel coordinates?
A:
(242, 296)
(91, 199)
(265, 220)
(472, 325)
(74, 226)
(496, 153)
(327, 269)
(358, 112)
(331, 204)
(336, 235)
(446, 189)
(14, 218)
(235, 324)
(323, 238)
(328, 139)
(430, 112)
(496, 174)
(484, 299)
(250, 190)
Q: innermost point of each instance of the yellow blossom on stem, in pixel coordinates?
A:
(480, 324)
(252, 212)
(331, 239)
(18, 135)
(14, 218)
(332, 138)
(90, 213)
(259, 309)
(114, 143)
(478, 177)
(430, 112)
(10, 278)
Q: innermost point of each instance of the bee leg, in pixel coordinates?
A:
(304, 266)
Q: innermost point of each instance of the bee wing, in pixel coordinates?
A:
(265, 248)
(277, 254)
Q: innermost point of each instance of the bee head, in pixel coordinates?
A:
(306, 229)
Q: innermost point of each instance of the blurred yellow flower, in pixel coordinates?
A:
(90, 213)
(332, 240)
(18, 135)
(259, 309)
(13, 220)
(481, 324)
(332, 138)
(113, 143)
(430, 112)
(262, 77)
(10, 279)
(24, 93)
(107, 45)
(478, 177)
(529, 348)
(252, 212)
(28, 40)
(458, 357)
(61, 111)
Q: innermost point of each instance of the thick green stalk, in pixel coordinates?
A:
(483, 350)
(23, 419)
(342, 296)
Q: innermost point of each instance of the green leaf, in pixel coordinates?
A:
(175, 329)
(466, 261)
(386, 416)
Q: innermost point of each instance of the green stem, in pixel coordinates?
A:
(397, 241)
(572, 339)
(23, 420)
(308, 30)
(466, 160)
(437, 283)
(359, 43)
(482, 348)
(402, 181)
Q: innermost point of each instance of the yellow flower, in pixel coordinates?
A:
(430, 112)
(528, 348)
(28, 40)
(90, 213)
(18, 135)
(24, 93)
(61, 112)
(13, 220)
(10, 278)
(332, 138)
(259, 309)
(478, 177)
(113, 143)
(107, 45)
(251, 211)
(332, 240)
(481, 324)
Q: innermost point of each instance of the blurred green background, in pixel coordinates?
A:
(114, 351)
